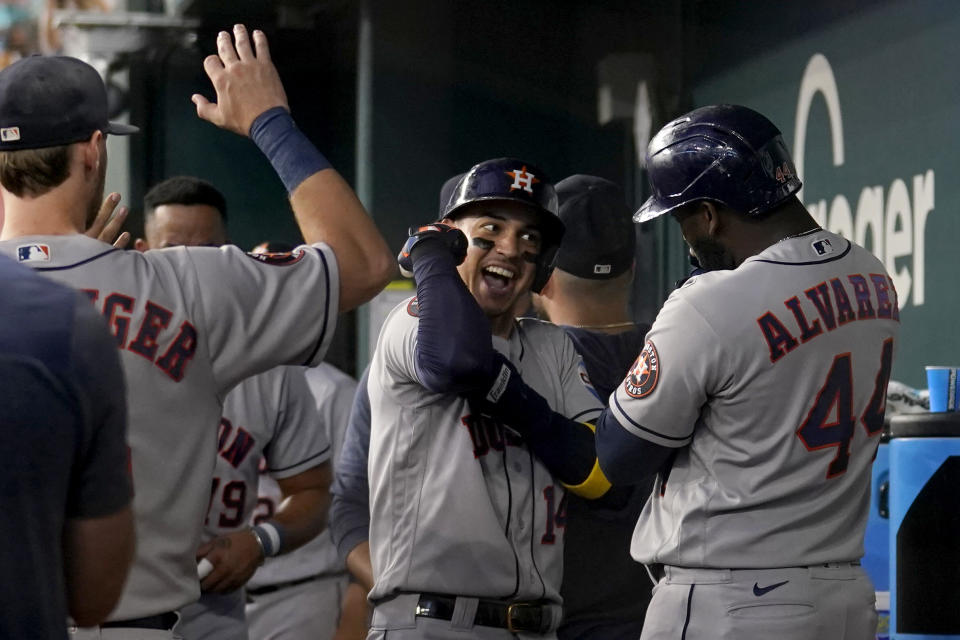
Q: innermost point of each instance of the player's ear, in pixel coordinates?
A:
(711, 216)
(92, 153)
(140, 245)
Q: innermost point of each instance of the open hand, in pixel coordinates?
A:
(246, 82)
(107, 223)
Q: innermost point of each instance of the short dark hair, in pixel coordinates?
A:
(185, 190)
(34, 172)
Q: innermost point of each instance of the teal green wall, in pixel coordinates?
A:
(893, 189)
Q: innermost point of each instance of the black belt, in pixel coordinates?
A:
(658, 572)
(532, 617)
(270, 588)
(160, 621)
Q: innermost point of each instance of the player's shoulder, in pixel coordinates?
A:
(403, 315)
(537, 329)
(545, 337)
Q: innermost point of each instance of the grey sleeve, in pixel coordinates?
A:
(101, 484)
(258, 312)
(300, 441)
(350, 510)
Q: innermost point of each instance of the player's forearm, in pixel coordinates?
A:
(303, 512)
(360, 566)
(302, 516)
(454, 348)
(354, 614)
(96, 557)
(566, 447)
(349, 519)
(326, 208)
(625, 458)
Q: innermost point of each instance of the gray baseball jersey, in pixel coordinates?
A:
(458, 503)
(270, 417)
(774, 374)
(190, 323)
(332, 392)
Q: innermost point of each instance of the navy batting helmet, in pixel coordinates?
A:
(724, 153)
(510, 179)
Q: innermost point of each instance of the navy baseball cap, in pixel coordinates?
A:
(600, 241)
(47, 101)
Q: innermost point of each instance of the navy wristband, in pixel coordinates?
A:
(292, 156)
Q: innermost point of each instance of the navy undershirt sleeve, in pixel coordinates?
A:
(454, 351)
(625, 458)
(350, 509)
(565, 446)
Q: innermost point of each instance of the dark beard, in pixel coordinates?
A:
(712, 255)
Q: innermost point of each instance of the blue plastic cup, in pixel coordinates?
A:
(942, 382)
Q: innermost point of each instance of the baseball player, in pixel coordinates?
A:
(271, 417)
(466, 504)
(588, 295)
(761, 390)
(298, 596)
(183, 343)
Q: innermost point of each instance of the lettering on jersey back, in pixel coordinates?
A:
(118, 323)
(875, 298)
(155, 340)
(487, 433)
(234, 450)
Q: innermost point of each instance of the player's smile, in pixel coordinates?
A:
(497, 278)
(498, 267)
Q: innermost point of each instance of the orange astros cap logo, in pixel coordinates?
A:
(522, 179)
(642, 378)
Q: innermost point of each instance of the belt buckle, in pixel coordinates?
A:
(516, 606)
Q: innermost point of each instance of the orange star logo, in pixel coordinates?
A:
(522, 179)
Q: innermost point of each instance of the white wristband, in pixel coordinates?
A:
(269, 537)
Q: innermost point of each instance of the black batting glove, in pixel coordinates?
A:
(431, 237)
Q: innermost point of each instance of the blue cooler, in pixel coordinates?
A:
(925, 526)
(876, 542)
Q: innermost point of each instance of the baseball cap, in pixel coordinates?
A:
(47, 101)
(600, 241)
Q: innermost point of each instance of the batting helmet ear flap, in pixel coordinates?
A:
(546, 263)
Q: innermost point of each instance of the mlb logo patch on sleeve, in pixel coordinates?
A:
(33, 253)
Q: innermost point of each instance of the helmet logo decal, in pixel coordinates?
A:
(522, 179)
(642, 378)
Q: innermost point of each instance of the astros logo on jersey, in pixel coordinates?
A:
(412, 308)
(522, 180)
(642, 379)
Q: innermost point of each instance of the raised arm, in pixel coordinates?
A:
(251, 102)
